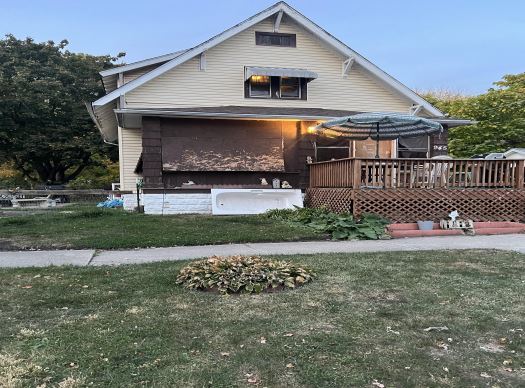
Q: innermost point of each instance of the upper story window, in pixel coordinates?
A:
(290, 87)
(263, 86)
(260, 86)
(275, 39)
(277, 82)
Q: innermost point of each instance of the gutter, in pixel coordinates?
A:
(219, 115)
(94, 118)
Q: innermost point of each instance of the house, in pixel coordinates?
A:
(238, 107)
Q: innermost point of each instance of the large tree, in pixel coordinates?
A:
(45, 129)
(499, 114)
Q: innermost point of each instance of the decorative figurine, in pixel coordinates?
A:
(453, 215)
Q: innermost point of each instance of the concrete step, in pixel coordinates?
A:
(424, 233)
(507, 230)
(480, 228)
(408, 226)
(492, 225)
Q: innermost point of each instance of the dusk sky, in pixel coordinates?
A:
(460, 45)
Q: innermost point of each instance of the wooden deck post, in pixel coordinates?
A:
(356, 173)
(520, 170)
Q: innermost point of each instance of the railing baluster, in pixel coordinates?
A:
(417, 173)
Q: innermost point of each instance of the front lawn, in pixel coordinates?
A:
(88, 227)
(360, 323)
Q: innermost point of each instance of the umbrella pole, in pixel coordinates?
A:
(377, 141)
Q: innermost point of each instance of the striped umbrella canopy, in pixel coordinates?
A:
(378, 126)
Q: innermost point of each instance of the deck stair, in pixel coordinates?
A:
(480, 228)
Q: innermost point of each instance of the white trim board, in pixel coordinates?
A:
(302, 21)
(140, 64)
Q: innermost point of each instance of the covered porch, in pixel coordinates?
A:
(408, 190)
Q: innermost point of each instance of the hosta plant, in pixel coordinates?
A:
(243, 274)
(339, 226)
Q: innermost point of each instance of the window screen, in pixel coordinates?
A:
(413, 147)
(331, 149)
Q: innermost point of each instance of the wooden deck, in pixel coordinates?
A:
(417, 173)
(408, 190)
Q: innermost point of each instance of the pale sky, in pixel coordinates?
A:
(460, 45)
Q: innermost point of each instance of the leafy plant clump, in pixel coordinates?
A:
(242, 274)
(340, 226)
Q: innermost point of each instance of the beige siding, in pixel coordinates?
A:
(222, 82)
(107, 119)
(130, 148)
(131, 75)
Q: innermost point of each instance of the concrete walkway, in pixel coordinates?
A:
(509, 242)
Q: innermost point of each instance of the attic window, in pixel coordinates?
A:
(275, 39)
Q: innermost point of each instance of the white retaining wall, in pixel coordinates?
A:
(130, 201)
(190, 203)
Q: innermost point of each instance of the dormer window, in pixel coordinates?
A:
(275, 39)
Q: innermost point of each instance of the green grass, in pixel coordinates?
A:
(90, 227)
(361, 320)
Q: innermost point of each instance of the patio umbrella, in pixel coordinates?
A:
(378, 126)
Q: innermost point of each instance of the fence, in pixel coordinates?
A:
(62, 195)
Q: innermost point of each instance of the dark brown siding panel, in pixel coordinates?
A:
(222, 145)
(151, 152)
(439, 143)
(227, 178)
(161, 133)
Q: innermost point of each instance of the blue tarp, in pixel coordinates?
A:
(111, 203)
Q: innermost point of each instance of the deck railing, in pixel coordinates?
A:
(418, 173)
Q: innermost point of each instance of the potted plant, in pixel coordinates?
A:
(425, 225)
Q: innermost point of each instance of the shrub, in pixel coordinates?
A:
(10, 177)
(242, 274)
(339, 226)
(99, 176)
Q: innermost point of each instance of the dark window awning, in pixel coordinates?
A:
(279, 72)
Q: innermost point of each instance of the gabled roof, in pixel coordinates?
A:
(274, 9)
(141, 64)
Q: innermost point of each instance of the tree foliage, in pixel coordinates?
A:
(45, 129)
(499, 114)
